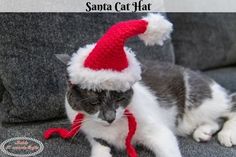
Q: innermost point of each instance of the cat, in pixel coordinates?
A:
(178, 102)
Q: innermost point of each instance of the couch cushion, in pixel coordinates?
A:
(204, 40)
(32, 76)
(1, 90)
(79, 146)
(224, 76)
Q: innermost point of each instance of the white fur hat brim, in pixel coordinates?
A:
(105, 79)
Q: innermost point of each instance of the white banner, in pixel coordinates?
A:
(117, 5)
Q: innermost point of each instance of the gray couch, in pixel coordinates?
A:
(32, 80)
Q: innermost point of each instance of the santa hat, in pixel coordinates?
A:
(109, 65)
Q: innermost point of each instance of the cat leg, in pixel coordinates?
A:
(204, 132)
(98, 149)
(227, 136)
(161, 141)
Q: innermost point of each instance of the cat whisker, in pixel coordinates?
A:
(77, 132)
(76, 121)
(76, 127)
(62, 123)
(126, 116)
(83, 121)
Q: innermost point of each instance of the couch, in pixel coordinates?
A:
(33, 81)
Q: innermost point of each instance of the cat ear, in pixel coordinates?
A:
(64, 58)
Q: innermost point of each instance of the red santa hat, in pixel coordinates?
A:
(109, 65)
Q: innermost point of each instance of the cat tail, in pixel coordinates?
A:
(227, 136)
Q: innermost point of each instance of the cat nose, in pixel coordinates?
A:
(110, 121)
(110, 116)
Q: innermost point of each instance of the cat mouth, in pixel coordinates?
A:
(107, 124)
(104, 123)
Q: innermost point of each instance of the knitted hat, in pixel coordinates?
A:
(109, 65)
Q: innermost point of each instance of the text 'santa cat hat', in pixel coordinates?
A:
(109, 65)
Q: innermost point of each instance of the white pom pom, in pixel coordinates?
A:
(158, 30)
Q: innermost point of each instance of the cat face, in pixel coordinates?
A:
(103, 105)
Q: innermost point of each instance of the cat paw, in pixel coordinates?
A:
(202, 134)
(101, 151)
(227, 138)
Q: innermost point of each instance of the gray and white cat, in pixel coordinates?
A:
(181, 102)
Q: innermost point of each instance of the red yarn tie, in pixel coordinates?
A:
(132, 128)
(65, 134)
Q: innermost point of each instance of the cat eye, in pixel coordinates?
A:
(93, 103)
(120, 99)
